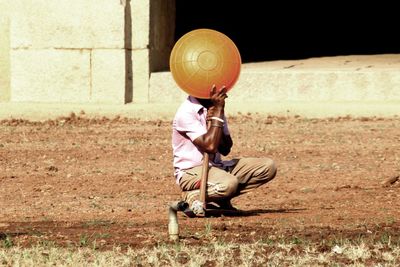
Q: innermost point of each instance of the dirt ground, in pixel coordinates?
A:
(76, 181)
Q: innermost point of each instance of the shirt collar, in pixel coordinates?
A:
(196, 104)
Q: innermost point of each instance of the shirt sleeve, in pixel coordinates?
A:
(190, 124)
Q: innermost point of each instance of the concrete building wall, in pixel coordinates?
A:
(345, 79)
(4, 53)
(75, 51)
(111, 52)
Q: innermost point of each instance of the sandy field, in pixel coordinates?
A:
(77, 179)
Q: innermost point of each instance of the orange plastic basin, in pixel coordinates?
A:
(202, 58)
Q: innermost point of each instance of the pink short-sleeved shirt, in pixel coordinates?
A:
(190, 123)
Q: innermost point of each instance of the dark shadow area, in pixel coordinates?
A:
(4, 236)
(281, 30)
(128, 51)
(247, 213)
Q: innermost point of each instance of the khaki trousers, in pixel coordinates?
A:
(224, 184)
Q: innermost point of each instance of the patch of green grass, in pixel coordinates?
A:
(210, 250)
(267, 241)
(84, 240)
(391, 220)
(36, 233)
(97, 223)
(208, 228)
(101, 235)
(385, 239)
(7, 242)
(296, 241)
(46, 243)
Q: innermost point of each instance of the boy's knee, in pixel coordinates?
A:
(226, 189)
(232, 187)
(272, 169)
(265, 168)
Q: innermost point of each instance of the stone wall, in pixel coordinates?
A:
(103, 51)
(92, 51)
(341, 79)
(4, 53)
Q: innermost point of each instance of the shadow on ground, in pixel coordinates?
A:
(247, 213)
